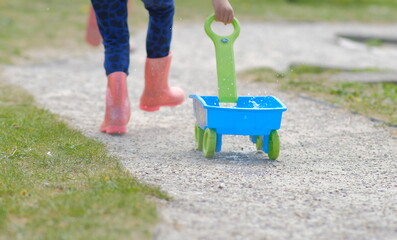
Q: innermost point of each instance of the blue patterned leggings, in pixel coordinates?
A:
(112, 22)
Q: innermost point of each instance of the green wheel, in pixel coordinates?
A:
(259, 143)
(199, 135)
(274, 145)
(209, 143)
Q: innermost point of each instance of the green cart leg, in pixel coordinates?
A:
(209, 143)
(274, 145)
(259, 143)
(199, 136)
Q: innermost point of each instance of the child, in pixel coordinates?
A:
(112, 22)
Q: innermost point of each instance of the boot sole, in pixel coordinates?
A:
(156, 107)
(116, 130)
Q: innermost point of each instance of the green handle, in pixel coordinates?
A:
(227, 88)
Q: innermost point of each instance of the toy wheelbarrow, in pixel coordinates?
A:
(258, 117)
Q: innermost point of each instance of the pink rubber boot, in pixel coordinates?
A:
(157, 93)
(92, 35)
(118, 111)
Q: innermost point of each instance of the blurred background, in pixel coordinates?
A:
(27, 25)
(41, 30)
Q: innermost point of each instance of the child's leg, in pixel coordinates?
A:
(157, 93)
(112, 22)
(92, 35)
(161, 14)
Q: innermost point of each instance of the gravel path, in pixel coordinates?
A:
(336, 177)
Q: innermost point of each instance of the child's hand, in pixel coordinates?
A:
(223, 11)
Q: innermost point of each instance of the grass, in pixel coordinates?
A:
(298, 10)
(376, 100)
(373, 42)
(57, 184)
(26, 24)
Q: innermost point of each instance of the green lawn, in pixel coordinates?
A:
(300, 10)
(57, 184)
(376, 100)
(44, 23)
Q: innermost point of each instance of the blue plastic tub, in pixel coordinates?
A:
(250, 116)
